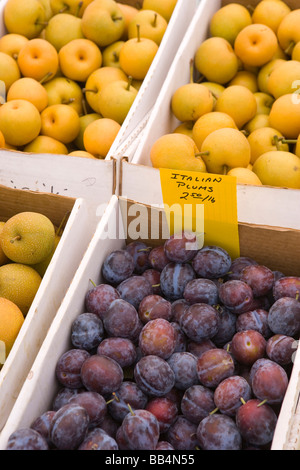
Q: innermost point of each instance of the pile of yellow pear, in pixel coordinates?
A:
(240, 113)
(72, 70)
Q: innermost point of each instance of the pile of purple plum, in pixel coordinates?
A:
(178, 349)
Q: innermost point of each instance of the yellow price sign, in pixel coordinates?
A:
(204, 203)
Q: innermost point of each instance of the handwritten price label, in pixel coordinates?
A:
(204, 203)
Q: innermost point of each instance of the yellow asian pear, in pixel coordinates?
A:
(148, 24)
(285, 115)
(265, 139)
(279, 169)
(63, 28)
(136, 56)
(296, 52)
(230, 103)
(25, 18)
(191, 101)
(288, 32)
(19, 283)
(29, 89)
(216, 60)
(256, 44)
(210, 122)
(229, 20)
(270, 13)
(265, 72)
(97, 81)
(38, 59)
(20, 122)
(79, 58)
(46, 144)
(103, 22)
(264, 102)
(247, 79)
(111, 54)
(61, 122)
(9, 70)
(11, 321)
(284, 79)
(260, 120)
(245, 176)
(62, 90)
(176, 151)
(116, 100)
(99, 136)
(12, 43)
(164, 8)
(225, 149)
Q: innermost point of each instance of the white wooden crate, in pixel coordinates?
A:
(40, 387)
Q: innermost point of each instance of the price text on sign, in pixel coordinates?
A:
(202, 202)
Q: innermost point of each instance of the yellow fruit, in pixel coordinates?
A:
(247, 79)
(256, 44)
(46, 144)
(27, 237)
(9, 70)
(245, 176)
(176, 151)
(210, 122)
(61, 122)
(19, 283)
(280, 169)
(288, 32)
(191, 101)
(229, 20)
(136, 56)
(11, 321)
(283, 78)
(164, 8)
(265, 72)
(148, 24)
(99, 136)
(38, 59)
(11, 44)
(285, 116)
(270, 13)
(230, 103)
(79, 58)
(263, 140)
(224, 149)
(20, 122)
(216, 60)
(29, 89)
(260, 120)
